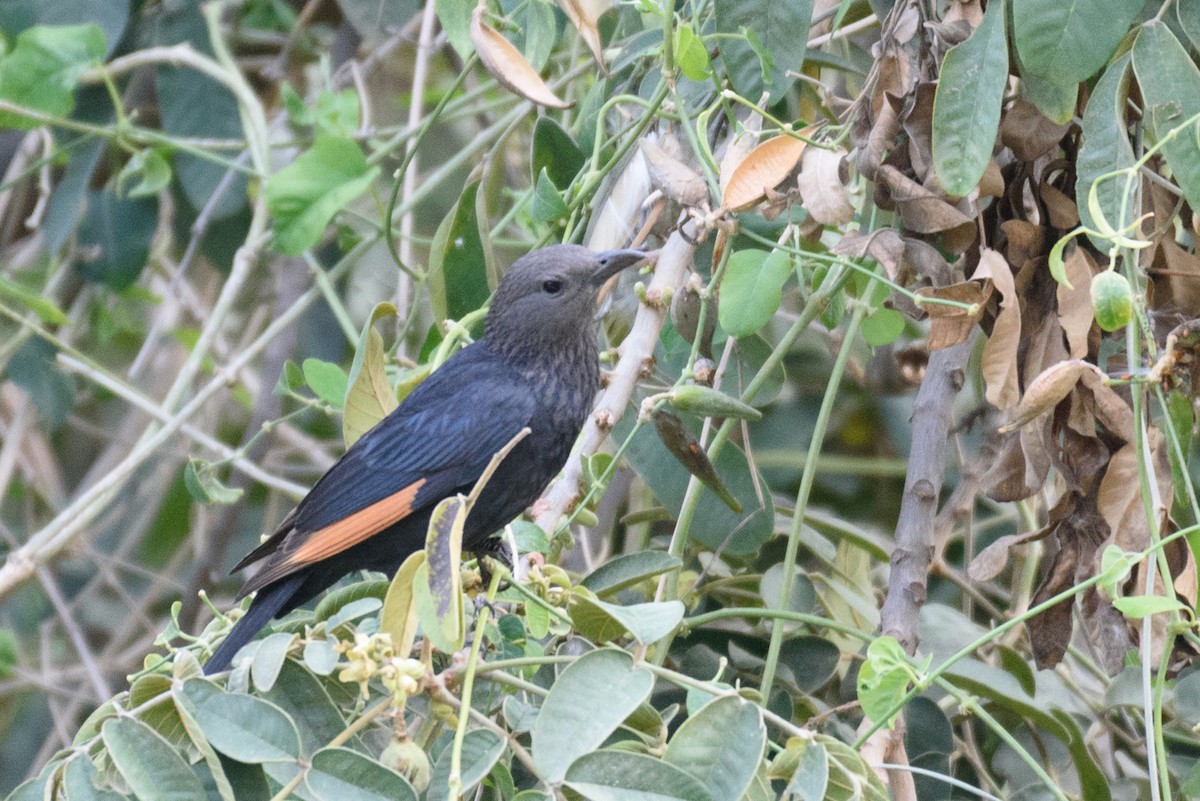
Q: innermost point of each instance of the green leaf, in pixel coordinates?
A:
(335, 601)
(339, 774)
(810, 781)
(715, 524)
(304, 196)
(1139, 606)
(32, 367)
(591, 698)
(42, 70)
(547, 204)
(82, 782)
(1181, 419)
(437, 586)
(648, 622)
(327, 381)
(399, 615)
(8, 652)
(624, 776)
(1189, 19)
(708, 402)
(370, 397)
(554, 151)
(629, 569)
(1105, 149)
(148, 763)
(1070, 42)
(781, 30)
(243, 727)
(883, 678)
(1056, 101)
(721, 745)
(691, 55)
(966, 106)
(458, 280)
(42, 307)
(17, 16)
(115, 235)
(151, 170)
(205, 487)
(455, 16)
(305, 699)
(1170, 84)
(752, 290)
(541, 34)
(481, 750)
(193, 104)
(882, 327)
(320, 656)
(269, 658)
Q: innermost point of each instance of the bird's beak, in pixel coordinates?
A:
(614, 261)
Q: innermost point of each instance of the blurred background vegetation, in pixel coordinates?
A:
(946, 249)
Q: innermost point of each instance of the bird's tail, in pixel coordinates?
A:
(266, 605)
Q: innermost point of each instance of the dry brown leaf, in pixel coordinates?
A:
(988, 563)
(1119, 498)
(950, 325)
(764, 168)
(1047, 390)
(508, 66)
(1024, 241)
(884, 245)
(822, 187)
(1028, 133)
(1075, 304)
(999, 360)
(1022, 464)
(739, 147)
(585, 15)
(1061, 210)
(1176, 277)
(1110, 409)
(1079, 536)
(922, 210)
(677, 180)
(992, 182)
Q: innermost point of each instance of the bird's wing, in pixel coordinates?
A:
(437, 442)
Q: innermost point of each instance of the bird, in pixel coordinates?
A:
(536, 366)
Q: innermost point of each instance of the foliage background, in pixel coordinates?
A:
(203, 207)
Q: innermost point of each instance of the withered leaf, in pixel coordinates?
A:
(1110, 408)
(508, 66)
(1048, 389)
(1028, 133)
(950, 325)
(1075, 304)
(988, 563)
(764, 168)
(922, 210)
(585, 16)
(687, 449)
(884, 245)
(822, 188)
(677, 180)
(1062, 211)
(1119, 498)
(999, 361)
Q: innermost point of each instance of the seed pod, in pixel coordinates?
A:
(685, 315)
(1112, 300)
(707, 402)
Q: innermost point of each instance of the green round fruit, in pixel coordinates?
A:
(1112, 300)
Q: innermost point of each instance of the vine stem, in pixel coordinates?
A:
(806, 482)
(460, 732)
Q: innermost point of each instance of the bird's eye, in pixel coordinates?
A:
(552, 286)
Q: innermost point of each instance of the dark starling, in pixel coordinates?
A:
(536, 366)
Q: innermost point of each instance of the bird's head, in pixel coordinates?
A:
(549, 296)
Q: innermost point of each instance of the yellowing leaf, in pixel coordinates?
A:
(508, 66)
(399, 615)
(764, 168)
(369, 395)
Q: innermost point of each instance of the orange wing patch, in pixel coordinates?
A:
(349, 531)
